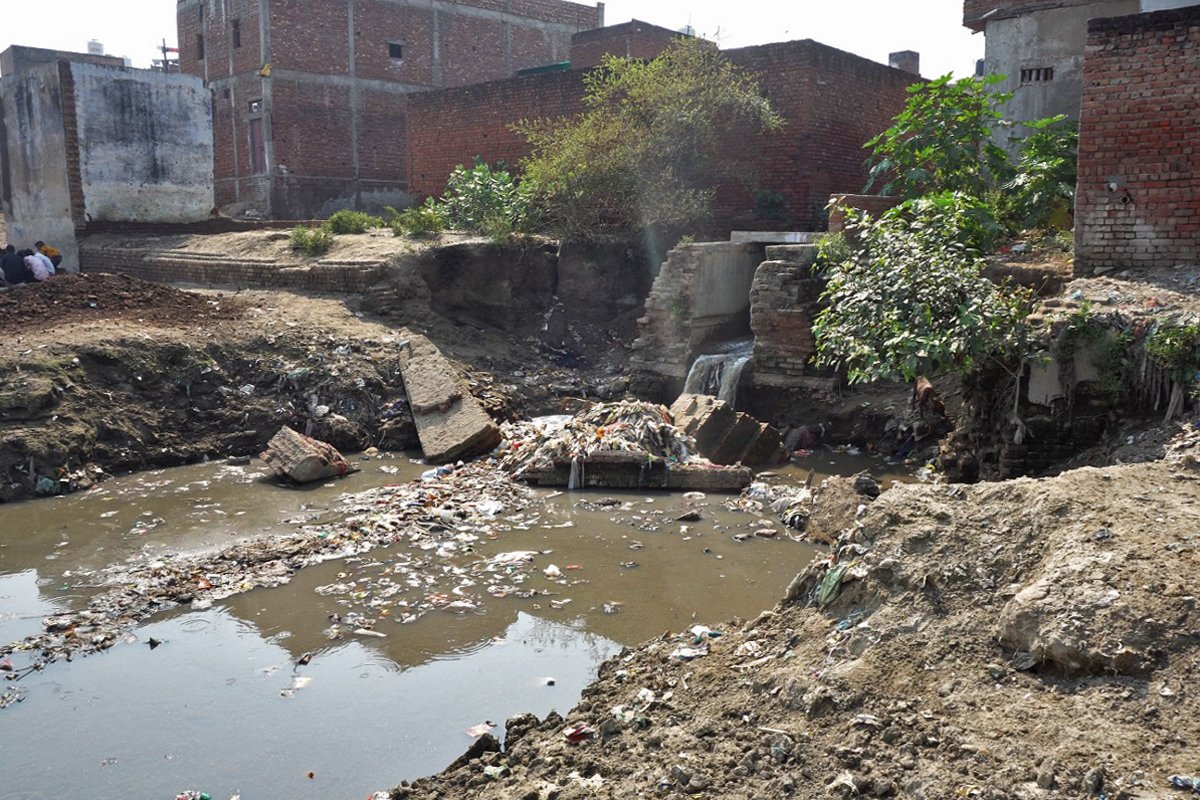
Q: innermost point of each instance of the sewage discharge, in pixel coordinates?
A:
(718, 374)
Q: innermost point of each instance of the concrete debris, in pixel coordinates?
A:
(726, 436)
(301, 459)
(451, 423)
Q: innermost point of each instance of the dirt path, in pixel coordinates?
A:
(1027, 639)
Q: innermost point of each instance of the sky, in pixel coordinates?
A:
(870, 28)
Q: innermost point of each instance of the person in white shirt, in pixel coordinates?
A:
(37, 265)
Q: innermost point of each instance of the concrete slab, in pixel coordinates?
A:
(451, 423)
(301, 459)
(725, 436)
(614, 469)
(773, 237)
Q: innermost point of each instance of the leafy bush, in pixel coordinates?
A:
(426, 219)
(1044, 186)
(942, 141)
(968, 220)
(1173, 348)
(488, 200)
(348, 221)
(911, 299)
(832, 248)
(647, 151)
(311, 241)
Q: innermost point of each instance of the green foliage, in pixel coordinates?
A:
(311, 241)
(1065, 241)
(646, 152)
(348, 221)
(420, 221)
(485, 199)
(832, 248)
(1173, 348)
(769, 204)
(968, 220)
(911, 299)
(941, 141)
(1044, 186)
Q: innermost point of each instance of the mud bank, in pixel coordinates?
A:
(112, 374)
(1027, 639)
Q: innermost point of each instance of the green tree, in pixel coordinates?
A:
(912, 299)
(1044, 186)
(646, 152)
(942, 141)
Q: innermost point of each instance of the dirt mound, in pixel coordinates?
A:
(1029, 639)
(96, 296)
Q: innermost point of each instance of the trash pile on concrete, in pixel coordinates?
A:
(617, 445)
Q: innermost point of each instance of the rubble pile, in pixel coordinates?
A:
(628, 444)
(725, 436)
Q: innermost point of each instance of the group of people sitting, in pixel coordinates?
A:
(28, 266)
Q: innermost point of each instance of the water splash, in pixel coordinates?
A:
(720, 373)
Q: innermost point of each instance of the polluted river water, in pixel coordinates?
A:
(273, 693)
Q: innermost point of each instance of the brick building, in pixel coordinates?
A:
(310, 98)
(1138, 198)
(833, 102)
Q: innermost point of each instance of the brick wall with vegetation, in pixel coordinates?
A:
(833, 102)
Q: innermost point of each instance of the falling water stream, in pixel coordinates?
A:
(718, 374)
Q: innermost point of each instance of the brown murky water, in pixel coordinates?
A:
(221, 706)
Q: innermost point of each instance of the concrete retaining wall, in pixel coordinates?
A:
(36, 196)
(702, 294)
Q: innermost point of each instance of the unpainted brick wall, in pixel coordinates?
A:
(634, 39)
(974, 10)
(333, 82)
(1138, 197)
(833, 102)
(189, 268)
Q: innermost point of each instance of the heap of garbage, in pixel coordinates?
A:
(630, 444)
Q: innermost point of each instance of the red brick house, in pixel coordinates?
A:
(310, 98)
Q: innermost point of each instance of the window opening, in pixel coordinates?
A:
(395, 51)
(1037, 75)
(237, 33)
(200, 47)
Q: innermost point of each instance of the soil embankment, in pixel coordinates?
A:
(1026, 639)
(107, 373)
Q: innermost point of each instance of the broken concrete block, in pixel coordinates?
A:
(725, 436)
(451, 423)
(298, 458)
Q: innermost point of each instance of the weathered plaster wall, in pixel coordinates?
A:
(1051, 38)
(145, 145)
(33, 162)
(1163, 5)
